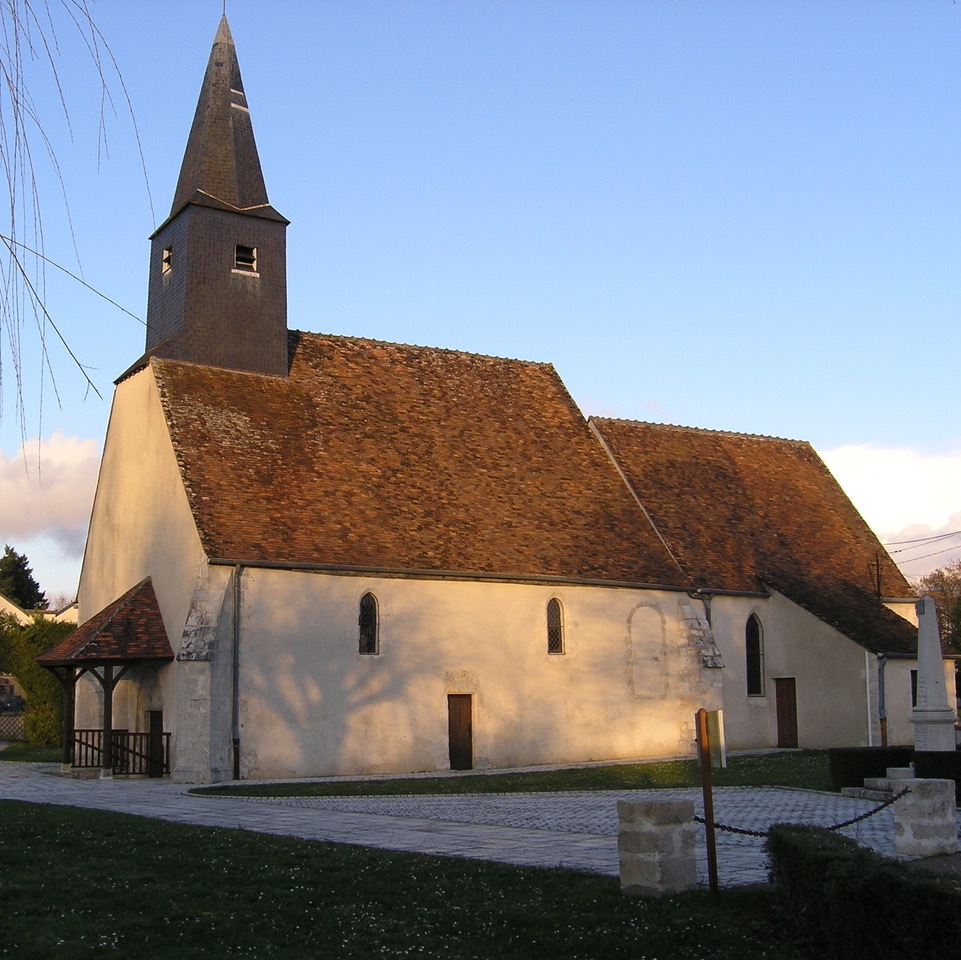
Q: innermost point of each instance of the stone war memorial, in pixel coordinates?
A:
(933, 716)
(925, 817)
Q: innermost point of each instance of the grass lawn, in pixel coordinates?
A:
(797, 768)
(28, 753)
(83, 883)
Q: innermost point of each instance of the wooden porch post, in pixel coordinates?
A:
(69, 681)
(106, 763)
(68, 677)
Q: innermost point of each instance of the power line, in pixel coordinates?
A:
(925, 556)
(939, 536)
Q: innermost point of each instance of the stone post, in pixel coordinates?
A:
(925, 819)
(655, 843)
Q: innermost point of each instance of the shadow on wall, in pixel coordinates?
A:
(311, 703)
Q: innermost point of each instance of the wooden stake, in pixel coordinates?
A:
(704, 755)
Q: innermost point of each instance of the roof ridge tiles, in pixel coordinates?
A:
(705, 430)
(341, 338)
(420, 347)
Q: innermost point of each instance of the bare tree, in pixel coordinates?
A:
(944, 586)
(31, 32)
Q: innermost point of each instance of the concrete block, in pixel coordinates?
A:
(924, 789)
(900, 773)
(656, 847)
(679, 874)
(637, 841)
(926, 819)
(934, 831)
(636, 872)
(664, 812)
(862, 793)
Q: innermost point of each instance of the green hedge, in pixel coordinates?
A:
(849, 903)
(19, 647)
(850, 766)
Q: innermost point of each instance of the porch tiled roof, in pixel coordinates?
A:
(129, 630)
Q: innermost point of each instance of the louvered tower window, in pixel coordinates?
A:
(555, 627)
(245, 259)
(369, 645)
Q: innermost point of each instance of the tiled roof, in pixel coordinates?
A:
(740, 512)
(129, 630)
(385, 456)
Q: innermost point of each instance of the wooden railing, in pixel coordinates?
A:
(143, 754)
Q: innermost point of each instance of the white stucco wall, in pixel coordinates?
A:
(141, 523)
(897, 697)
(311, 704)
(897, 700)
(830, 671)
(10, 609)
(904, 608)
(140, 526)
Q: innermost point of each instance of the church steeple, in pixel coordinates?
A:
(221, 161)
(218, 289)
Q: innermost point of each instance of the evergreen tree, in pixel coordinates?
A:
(17, 583)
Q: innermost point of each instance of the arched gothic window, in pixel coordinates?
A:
(555, 627)
(754, 655)
(369, 641)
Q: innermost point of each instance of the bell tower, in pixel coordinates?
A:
(217, 293)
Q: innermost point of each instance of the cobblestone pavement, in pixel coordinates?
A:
(577, 830)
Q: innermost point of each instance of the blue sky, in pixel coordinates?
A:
(737, 214)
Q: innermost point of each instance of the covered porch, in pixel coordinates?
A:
(128, 633)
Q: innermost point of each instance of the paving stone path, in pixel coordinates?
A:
(576, 830)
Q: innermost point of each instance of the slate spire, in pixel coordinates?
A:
(218, 264)
(221, 160)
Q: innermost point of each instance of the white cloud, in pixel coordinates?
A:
(904, 495)
(46, 490)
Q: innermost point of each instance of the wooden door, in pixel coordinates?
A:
(785, 699)
(460, 731)
(155, 743)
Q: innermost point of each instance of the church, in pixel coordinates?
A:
(319, 555)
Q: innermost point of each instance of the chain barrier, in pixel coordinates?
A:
(837, 826)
